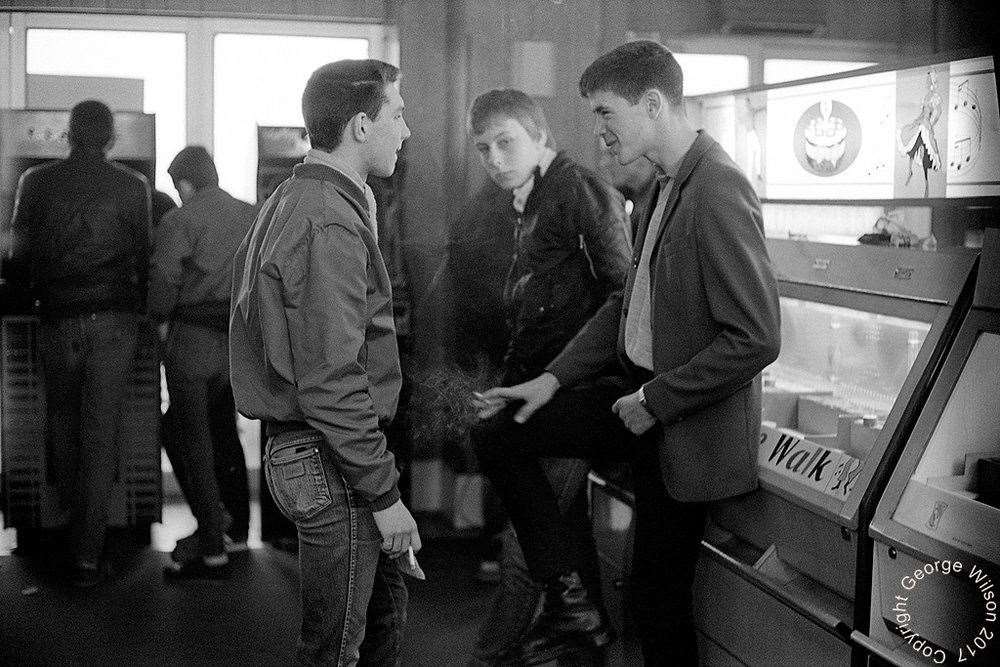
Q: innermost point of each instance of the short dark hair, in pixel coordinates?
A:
(337, 92)
(196, 166)
(91, 124)
(511, 103)
(632, 69)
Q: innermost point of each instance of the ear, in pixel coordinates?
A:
(359, 127)
(653, 102)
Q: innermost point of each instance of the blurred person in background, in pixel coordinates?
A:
(190, 277)
(82, 227)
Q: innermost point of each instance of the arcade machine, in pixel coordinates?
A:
(936, 562)
(279, 149)
(785, 574)
(27, 138)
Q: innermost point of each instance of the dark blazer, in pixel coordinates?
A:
(716, 325)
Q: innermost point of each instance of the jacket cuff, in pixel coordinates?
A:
(386, 500)
(562, 373)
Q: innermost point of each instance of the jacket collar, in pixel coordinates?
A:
(87, 153)
(555, 165)
(347, 187)
(203, 194)
(701, 145)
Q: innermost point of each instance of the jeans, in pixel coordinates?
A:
(353, 596)
(86, 363)
(517, 597)
(578, 422)
(197, 366)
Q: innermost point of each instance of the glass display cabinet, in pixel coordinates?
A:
(863, 330)
(942, 504)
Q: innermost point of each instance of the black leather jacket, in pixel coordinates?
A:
(572, 252)
(81, 225)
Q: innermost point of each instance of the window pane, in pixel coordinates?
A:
(777, 70)
(713, 72)
(158, 58)
(259, 81)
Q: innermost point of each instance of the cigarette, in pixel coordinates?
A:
(410, 558)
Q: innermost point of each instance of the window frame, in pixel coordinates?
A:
(199, 34)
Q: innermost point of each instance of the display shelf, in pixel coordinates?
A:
(861, 331)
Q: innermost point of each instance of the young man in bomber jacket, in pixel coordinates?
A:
(313, 354)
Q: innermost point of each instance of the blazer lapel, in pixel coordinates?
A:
(701, 145)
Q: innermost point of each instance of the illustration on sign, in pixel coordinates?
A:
(827, 138)
(969, 124)
(917, 139)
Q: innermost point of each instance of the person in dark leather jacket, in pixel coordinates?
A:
(571, 252)
(81, 226)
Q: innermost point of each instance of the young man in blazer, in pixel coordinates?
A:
(696, 324)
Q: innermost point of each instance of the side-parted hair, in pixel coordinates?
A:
(196, 166)
(632, 69)
(91, 124)
(508, 103)
(337, 92)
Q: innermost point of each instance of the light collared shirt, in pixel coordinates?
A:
(638, 330)
(316, 156)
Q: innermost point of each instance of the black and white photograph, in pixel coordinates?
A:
(499, 333)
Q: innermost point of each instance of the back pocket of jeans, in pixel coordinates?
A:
(296, 478)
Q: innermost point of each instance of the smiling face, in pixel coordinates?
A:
(508, 152)
(388, 130)
(621, 125)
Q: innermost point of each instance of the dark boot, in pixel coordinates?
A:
(569, 622)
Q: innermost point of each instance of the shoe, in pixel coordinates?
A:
(87, 574)
(188, 547)
(197, 569)
(234, 545)
(488, 572)
(569, 622)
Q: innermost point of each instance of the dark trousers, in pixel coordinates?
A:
(516, 599)
(230, 464)
(87, 364)
(578, 423)
(197, 366)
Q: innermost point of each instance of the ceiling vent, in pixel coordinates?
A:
(800, 18)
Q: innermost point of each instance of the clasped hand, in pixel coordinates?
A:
(636, 418)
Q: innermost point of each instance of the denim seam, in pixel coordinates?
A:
(352, 566)
(397, 624)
